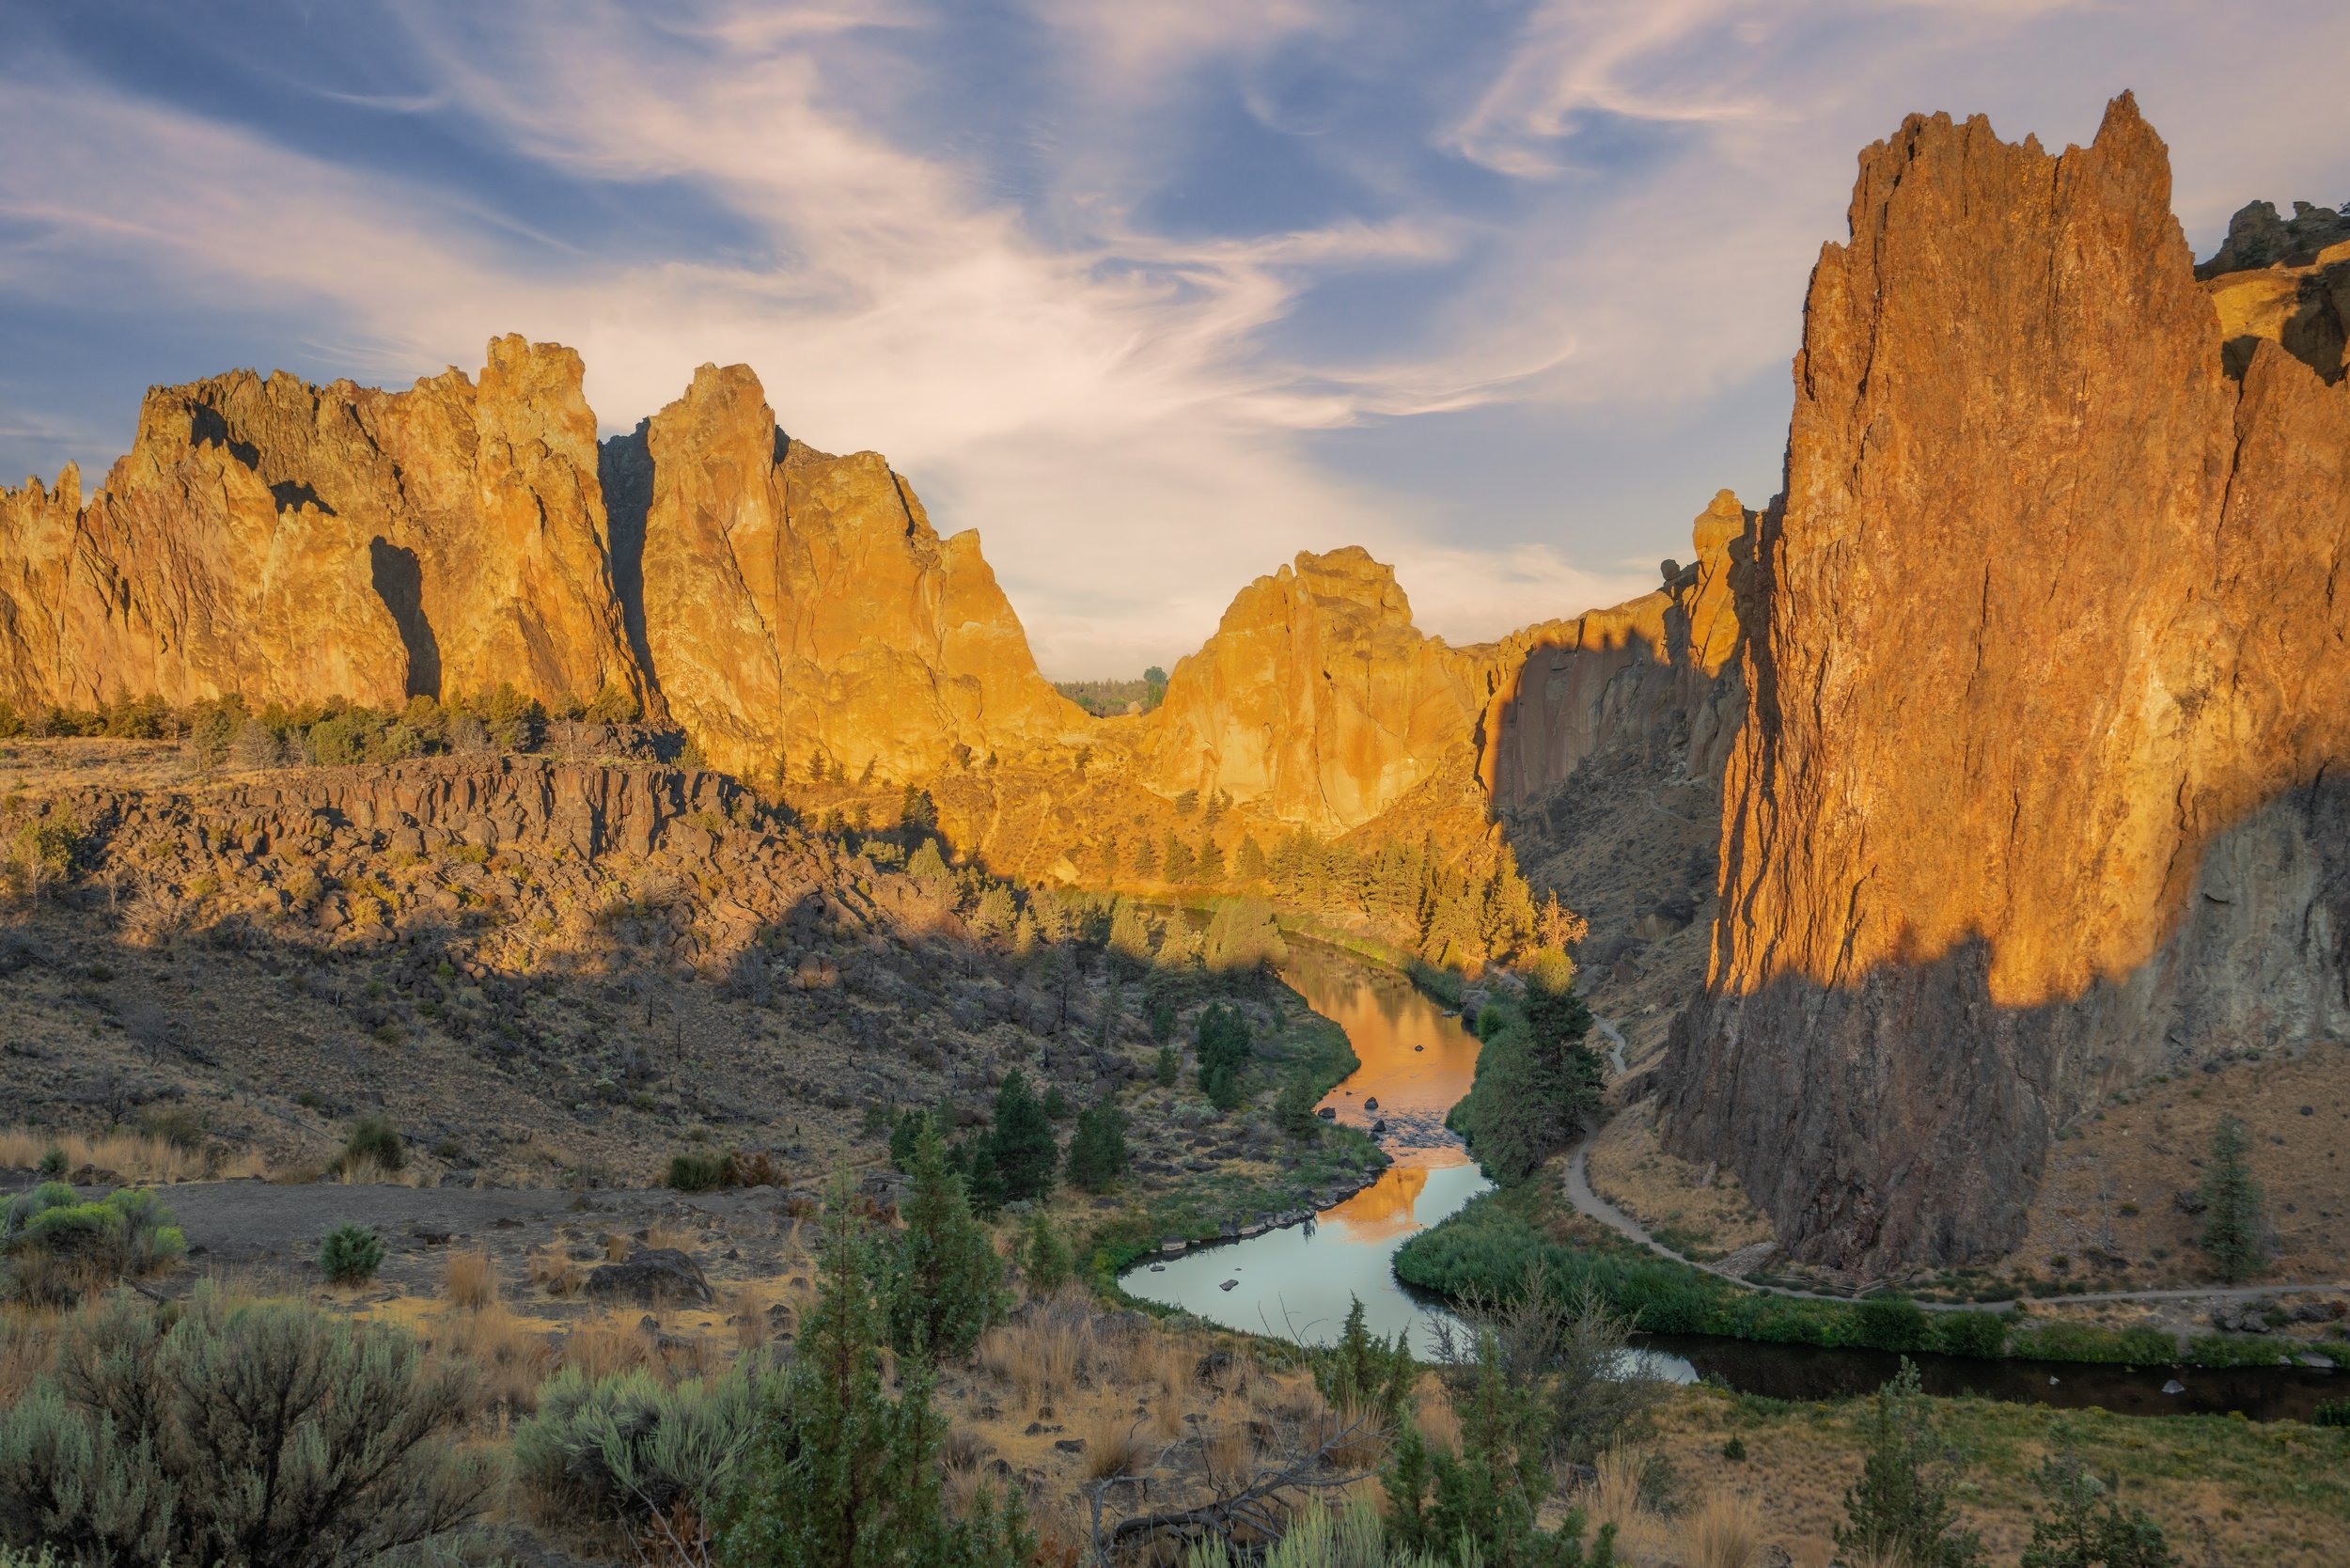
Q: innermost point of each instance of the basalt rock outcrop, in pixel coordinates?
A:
(797, 605)
(2048, 702)
(1316, 699)
(297, 542)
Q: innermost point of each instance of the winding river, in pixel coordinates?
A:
(1418, 1061)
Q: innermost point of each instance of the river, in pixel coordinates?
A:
(1297, 1282)
(1418, 1061)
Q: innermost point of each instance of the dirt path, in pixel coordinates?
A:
(1588, 1203)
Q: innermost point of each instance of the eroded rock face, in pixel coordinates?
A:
(1657, 674)
(1316, 698)
(797, 603)
(2045, 673)
(299, 543)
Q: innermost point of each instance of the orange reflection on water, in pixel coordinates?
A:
(1383, 1209)
(1418, 1062)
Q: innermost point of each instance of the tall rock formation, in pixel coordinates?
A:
(298, 543)
(2047, 690)
(1316, 699)
(1657, 674)
(795, 603)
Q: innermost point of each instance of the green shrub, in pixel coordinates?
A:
(2224, 1350)
(698, 1171)
(59, 1246)
(1983, 1335)
(351, 1254)
(1892, 1323)
(270, 1434)
(54, 1163)
(2140, 1346)
(374, 1138)
(627, 1446)
(2331, 1412)
(1735, 1451)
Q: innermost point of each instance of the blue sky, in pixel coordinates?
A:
(1152, 294)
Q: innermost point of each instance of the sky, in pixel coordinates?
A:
(1153, 295)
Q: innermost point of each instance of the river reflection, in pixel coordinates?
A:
(1416, 1062)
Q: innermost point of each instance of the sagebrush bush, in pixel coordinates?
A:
(351, 1254)
(59, 1246)
(269, 1435)
(630, 1446)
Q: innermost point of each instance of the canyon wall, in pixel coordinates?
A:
(2046, 697)
(797, 604)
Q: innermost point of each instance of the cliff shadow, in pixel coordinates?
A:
(625, 469)
(398, 579)
(1906, 1116)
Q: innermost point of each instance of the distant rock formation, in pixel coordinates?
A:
(797, 605)
(1316, 699)
(2286, 281)
(2048, 702)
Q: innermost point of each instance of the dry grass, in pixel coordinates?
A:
(675, 1238)
(616, 1248)
(247, 1164)
(1614, 1498)
(1039, 1356)
(362, 1171)
(470, 1279)
(1439, 1423)
(553, 1271)
(1723, 1531)
(1114, 1446)
(134, 1156)
(607, 1344)
(507, 1357)
(746, 1309)
(1226, 1450)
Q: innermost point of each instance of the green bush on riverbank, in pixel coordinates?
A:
(1488, 1248)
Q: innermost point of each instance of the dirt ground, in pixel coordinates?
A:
(2111, 1206)
(1699, 1210)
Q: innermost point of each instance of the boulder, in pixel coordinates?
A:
(651, 1277)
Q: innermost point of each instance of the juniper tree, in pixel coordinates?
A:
(2074, 1531)
(1097, 1153)
(1900, 1510)
(844, 1475)
(947, 1283)
(2233, 1226)
(1022, 1143)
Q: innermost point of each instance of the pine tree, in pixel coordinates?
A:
(947, 1287)
(1097, 1153)
(1900, 1509)
(984, 1180)
(1169, 1066)
(1145, 860)
(905, 1138)
(1251, 859)
(1362, 1375)
(1129, 933)
(1209, 866)
(1179, 858)
(2233, 1226)
(844, 1476)
(1022, 1143)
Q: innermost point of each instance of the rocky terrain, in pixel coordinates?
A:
(2084, 827)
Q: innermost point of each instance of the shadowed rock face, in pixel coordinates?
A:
(2046, 672)
(1657, 675)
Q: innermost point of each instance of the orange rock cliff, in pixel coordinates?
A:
(2047, 689)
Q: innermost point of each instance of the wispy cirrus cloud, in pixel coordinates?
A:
(1151, 294)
